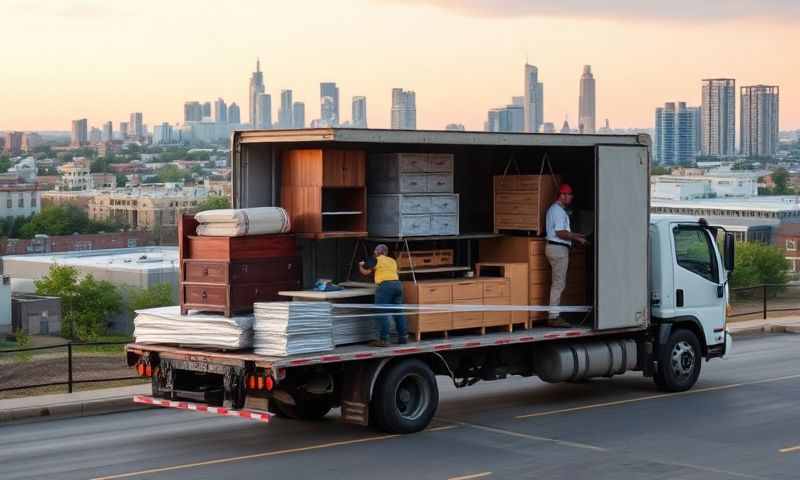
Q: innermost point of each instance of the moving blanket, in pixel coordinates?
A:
(240, 222)
(166, 325)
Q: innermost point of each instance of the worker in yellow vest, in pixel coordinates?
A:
(389, 292)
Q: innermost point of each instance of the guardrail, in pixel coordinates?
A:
(760, 300)
(27, 360)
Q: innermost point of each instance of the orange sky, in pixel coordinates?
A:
(66, 59)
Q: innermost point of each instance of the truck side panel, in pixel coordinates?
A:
(620, 240)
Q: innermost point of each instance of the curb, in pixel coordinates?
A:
(71, 410)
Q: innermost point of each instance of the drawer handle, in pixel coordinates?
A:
(205, 271)
(204, 295)
(440, 182)
(417, 205)
(412, 183)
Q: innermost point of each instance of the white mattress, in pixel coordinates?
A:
(239, 222)
(166, 325)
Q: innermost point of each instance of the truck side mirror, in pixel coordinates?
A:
(730, 251)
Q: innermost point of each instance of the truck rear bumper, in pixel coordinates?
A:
(204, 408)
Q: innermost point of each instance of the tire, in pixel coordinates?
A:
(405, 398)
(679, 362)
(306, 407)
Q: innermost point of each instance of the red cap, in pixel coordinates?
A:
(565, 188)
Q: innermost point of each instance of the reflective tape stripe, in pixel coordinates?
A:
(202, 407)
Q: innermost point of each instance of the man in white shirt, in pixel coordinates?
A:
(559, 243)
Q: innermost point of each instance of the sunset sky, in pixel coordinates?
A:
(100, 59)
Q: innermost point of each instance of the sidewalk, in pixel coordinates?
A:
(79, 404)
(111, 400)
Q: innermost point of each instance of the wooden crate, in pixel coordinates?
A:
(521, 201)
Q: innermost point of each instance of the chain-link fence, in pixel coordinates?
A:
(56, 368)
(762, 300)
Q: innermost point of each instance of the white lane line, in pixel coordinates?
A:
(468, 477)
(790, 449)
(654, 397)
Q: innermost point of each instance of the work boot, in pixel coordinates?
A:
(379, 343)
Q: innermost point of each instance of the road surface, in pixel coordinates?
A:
(741, 421)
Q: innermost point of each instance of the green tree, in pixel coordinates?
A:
(86, 304)
(214, 203)
(759, 264)
(100, 165)
(159, 295)
(171, 173)
(780, 177)
(63, 220)
(5, 163)
(660, 170)
(122, 180)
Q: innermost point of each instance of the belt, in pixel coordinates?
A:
(559, 244)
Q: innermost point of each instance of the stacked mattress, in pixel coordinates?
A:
(241, 222)
(290, 328)
(166, 325)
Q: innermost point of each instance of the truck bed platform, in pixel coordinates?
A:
(362, 352)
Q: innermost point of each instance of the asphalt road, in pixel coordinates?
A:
(741, 421)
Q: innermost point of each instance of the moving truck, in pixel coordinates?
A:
(658, 287)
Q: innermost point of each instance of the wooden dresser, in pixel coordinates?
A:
(229, 274)
(466, 291)
(531, 250)
(324, 192)
(521, 201)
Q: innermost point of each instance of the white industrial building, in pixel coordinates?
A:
(672, 187)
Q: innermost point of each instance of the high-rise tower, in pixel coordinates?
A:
(256, 89)
(719, 117)
(329, 104)
(533, 107)
(759, 120)
(404, 109)
(586, 102)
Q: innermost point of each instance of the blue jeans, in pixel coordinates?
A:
(390, 292)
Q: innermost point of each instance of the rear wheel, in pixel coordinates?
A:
(679, 362)
(405, 398)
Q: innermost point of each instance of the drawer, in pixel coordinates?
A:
(413, 162)
(444, 257)
(467, 291)
(444, 225)
(434, 322)
(527, 198)
(505, 183)
(440, 182)
(415, 204)
(249, 294)
(495, 289)
(444, 204)
(468, 319)
(413, 183)
(536, 247)
(205, 272)
(206, 295)
(274, 270)
(440, 293)
(529, 210)
(531, 182)
(491, 319)
(440, 162)
(417, 260)
(514, 222)
(411, 225)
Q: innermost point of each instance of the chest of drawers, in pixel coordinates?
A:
(410, 173)
(406, 215)
(521, 201)
(229, 274)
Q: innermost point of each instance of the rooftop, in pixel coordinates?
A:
(777, 203)
(122, 259)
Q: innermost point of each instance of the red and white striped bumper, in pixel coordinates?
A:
(202, 407)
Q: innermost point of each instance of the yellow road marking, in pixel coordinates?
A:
(264, 454)
(790, 449)
(653, 397)
(468, 477)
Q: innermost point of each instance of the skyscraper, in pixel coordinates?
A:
(108, 131)
(206, 109)
(234, 114)
(510, 118)
(675, 134)
(697, 112)
(534, 99)
(136, 126)
(80, 133)
(520, 100)
(299, 115)
(95, 136)
(359, 118)
(759, 120)
(285, 112)
(329, 104)
(404, 109)
(586, 102)
(719, 117)
(256, 89)
(192, 112)
(14, 142)
(123, 130)
(220, 111)
(263, 111)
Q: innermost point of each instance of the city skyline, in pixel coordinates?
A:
(448, 43)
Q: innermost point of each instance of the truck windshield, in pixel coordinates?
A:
(695, 252)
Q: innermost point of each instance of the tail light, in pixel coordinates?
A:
(140, 369)
(268, 383)
(261, 383)
(251, 382)
(148, 371)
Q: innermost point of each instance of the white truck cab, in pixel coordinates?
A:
(689, 285)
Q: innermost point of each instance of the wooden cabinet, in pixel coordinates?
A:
(517, 276)
(324, 191)
(424, 258)
(521, 201)
(229, 274)
(532, 251)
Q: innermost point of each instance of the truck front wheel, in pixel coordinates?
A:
(405, 398)
(679, 362)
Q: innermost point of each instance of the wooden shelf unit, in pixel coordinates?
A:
(324, 192)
